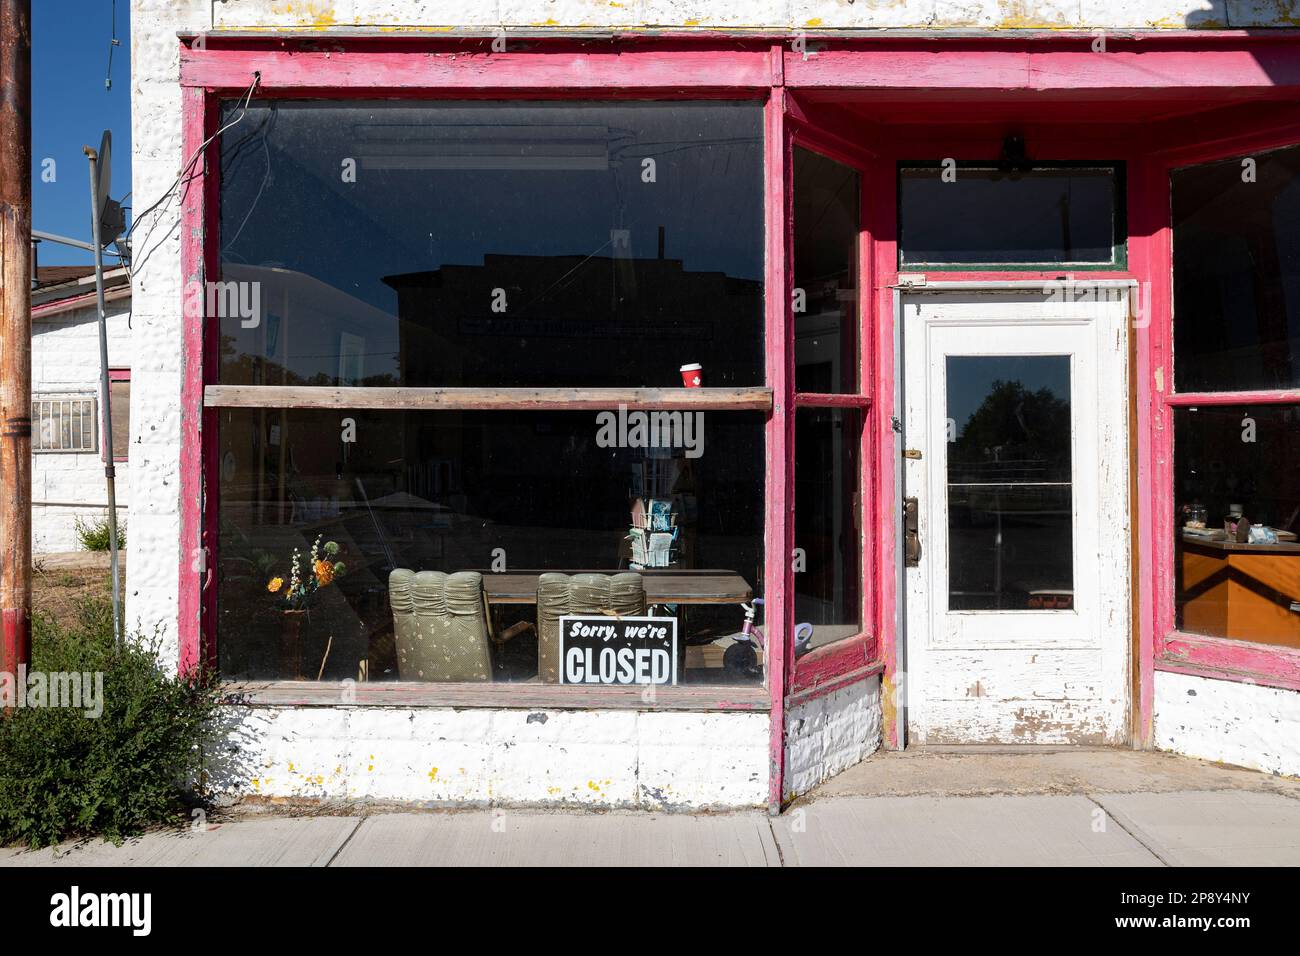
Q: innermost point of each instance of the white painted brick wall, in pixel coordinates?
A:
(1242, 724)
(65, 359)
(478, 757)
(830, 733)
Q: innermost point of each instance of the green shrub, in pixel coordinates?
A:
(63, 774)
(94, 535)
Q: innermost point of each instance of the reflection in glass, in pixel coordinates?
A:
(825, 274)
(494, 243)
(827, 527)
(1237, 468)
(494, 492)
(1051, 215)
(1237, 274)
(1010, 498)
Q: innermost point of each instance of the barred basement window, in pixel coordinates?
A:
(63, 423)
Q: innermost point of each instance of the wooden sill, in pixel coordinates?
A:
(508, 696)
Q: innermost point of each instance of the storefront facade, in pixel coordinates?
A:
(425, 305)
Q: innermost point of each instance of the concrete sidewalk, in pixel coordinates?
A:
(1064, 808)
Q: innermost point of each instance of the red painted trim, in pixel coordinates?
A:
(779, 544)
(211, 365)
(831, 132)
(1279, 126)
(1224, 659)
(832, 661)
(15, 641)
(467, 66)
(821, 400)
(880, 216)
(873, 669)
(1042, 65)
(1288, 396)
(194, 123)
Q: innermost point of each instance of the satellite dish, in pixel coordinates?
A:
(112, 220)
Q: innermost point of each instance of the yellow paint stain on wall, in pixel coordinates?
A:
(309, 13)
(814, 22)
(433, 773)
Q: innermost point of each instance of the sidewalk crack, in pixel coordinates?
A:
(780, 854)
(1120, 823)
(335, 855)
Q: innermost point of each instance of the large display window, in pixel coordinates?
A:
(586, 280)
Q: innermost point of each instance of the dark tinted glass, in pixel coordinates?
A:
(1010, 493)
(501, 493)
(1237, 273)
(1234, 462)
(827, 524)
(825, 274)
(985, 216)
(494, 244)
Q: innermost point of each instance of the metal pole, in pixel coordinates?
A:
(15, 335)
(110, 473)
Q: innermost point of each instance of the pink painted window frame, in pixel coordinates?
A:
(1178, 651)
(214, 73)
(857, 657)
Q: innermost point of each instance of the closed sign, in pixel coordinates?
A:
(618, 650)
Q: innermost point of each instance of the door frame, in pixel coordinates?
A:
(920, 286)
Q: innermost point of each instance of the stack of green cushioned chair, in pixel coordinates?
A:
(440, 626)
(559, 594)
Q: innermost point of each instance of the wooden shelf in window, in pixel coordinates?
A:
(487, 399)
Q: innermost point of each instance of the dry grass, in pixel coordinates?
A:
(58, 591)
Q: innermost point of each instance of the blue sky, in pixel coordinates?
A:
(70, 109)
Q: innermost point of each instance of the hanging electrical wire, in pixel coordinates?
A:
(183, 175)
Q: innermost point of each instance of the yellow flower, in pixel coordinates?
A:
(275, 584)
(324, 572)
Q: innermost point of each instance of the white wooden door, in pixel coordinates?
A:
(1017, 610)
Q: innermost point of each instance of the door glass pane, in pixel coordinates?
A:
(827, 529)
(1237, 274)
(1237, 555)
(825, 274)
(988, 216)
(1010, 528)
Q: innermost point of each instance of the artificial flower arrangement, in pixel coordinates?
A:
(320, 572)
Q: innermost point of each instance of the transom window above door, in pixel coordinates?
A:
(961, 216)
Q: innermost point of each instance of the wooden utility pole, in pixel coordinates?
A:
(15, 333)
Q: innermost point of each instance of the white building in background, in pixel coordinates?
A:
(68, 445)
